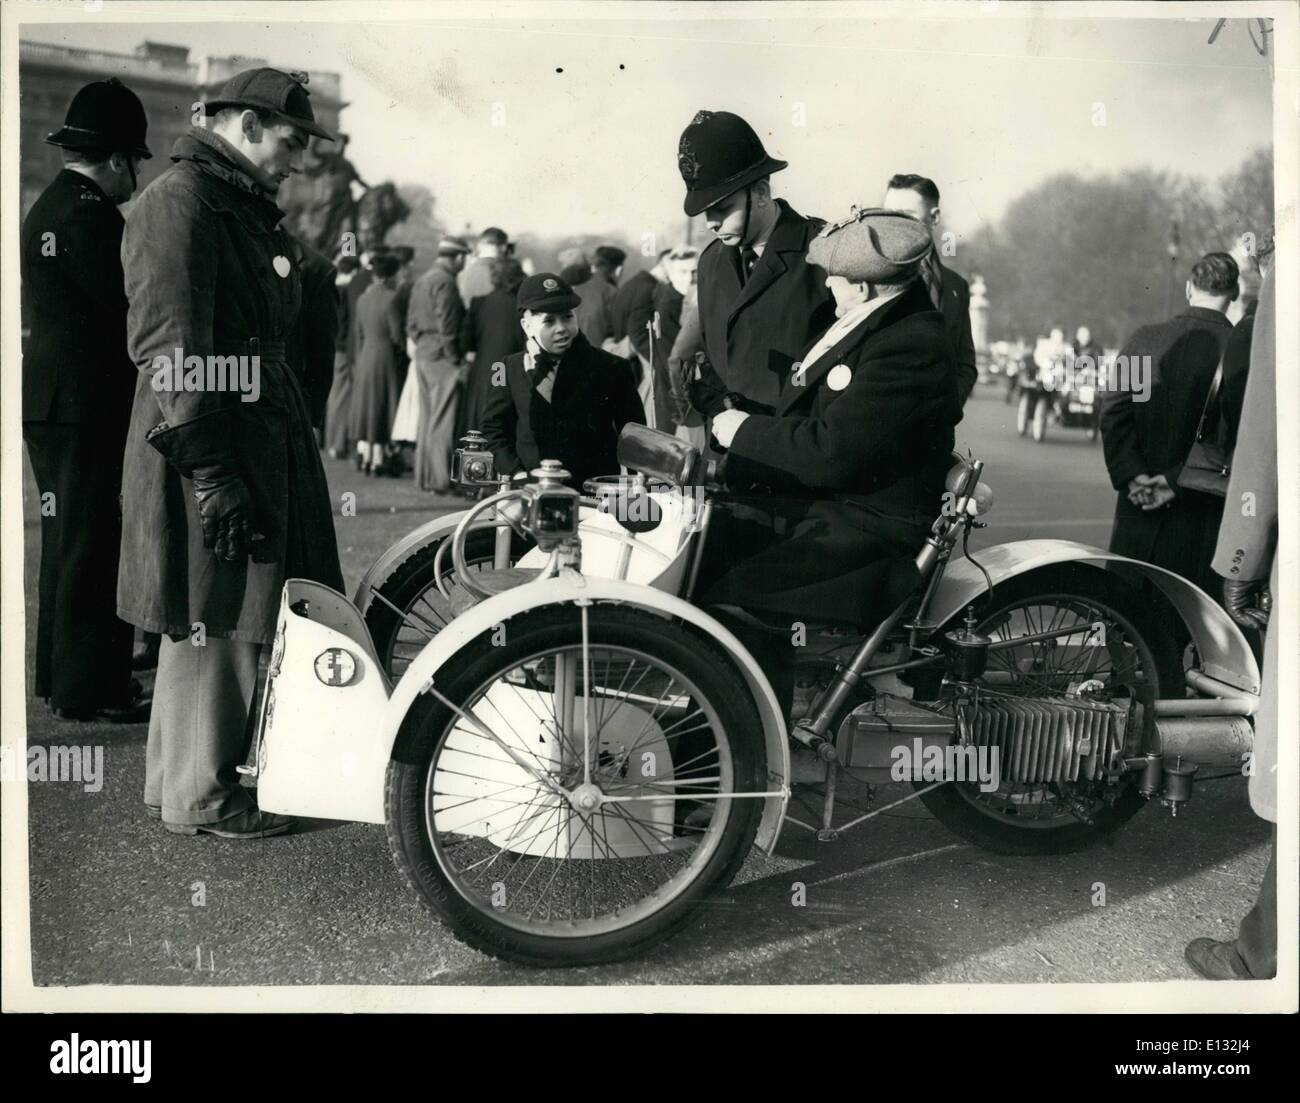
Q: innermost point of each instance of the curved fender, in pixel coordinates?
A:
(501, 607)
(1225, 654)
(392, 558)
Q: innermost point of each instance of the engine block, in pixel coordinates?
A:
(1041, 739)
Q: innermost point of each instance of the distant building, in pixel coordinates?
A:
(164, 78)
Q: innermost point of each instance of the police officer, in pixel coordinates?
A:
(761, 301)
(77, 386)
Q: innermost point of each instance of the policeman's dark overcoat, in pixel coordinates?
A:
(773, 316)
(1153, 437)
(208, 267)
(593, 397)
(77, 383)
(75, 365)
(864, 442)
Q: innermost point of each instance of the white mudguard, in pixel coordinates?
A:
(324, 749)
(1225, 654)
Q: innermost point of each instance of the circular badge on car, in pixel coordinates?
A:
(335, 667)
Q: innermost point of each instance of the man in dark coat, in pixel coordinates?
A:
(760, 299)
(1146, 435)
(224, 495)
(311, 349)
(77, 387)
(563, 400)
(950, 293)
(854, 455)
(633, 307)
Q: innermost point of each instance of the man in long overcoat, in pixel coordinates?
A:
(1246, 558)
(433, 323)
(224, 495)
(859, 445)
(77, 386)
(1146, 435)
(761, 301)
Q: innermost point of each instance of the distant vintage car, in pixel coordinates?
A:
(1055, 392)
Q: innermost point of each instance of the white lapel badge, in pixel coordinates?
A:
(281, 266)
(839, 377)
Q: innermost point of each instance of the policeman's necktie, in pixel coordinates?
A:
(932, 274)
(748, 258)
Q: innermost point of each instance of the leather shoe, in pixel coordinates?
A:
(133, 709)
(1216, 960)
(252, 823)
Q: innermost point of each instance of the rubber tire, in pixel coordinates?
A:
(694, 654)
(414, 575)
(1022, 413)
(1041, 409)
(1003, 837)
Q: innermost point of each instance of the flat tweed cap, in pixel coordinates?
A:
(872, 246)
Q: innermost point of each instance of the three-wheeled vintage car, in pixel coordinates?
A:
(569, 755)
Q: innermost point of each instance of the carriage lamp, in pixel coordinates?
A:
(552, 506)
(472, 463)
(981, 499)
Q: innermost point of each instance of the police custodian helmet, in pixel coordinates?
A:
(718, 154)
(104, 115)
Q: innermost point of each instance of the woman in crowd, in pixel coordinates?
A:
(377, 380)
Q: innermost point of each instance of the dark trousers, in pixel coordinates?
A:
(83, 652)
(1257, 935)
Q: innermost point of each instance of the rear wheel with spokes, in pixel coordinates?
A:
(570, 796)
(407, 609)
(1125, 654)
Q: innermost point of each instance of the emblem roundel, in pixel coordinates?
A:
(550, 285)
(840, 376)
(281, 266)
(687, 165)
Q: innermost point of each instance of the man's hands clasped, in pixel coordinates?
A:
(1150, 492)
(225, 512)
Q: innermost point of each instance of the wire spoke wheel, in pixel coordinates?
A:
(1119, 653)
(408, 610)
(579, 789)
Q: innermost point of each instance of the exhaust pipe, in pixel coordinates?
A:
(1206, 740)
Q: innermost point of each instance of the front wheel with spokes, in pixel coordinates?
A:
(570, 796)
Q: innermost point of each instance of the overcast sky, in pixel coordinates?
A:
(988, 103)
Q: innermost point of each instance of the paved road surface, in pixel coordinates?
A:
(902, 901)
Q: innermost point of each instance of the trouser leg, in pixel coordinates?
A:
(42, 454)
(84, 650)
(338, 411)
(199, 729)
(1257, 935)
